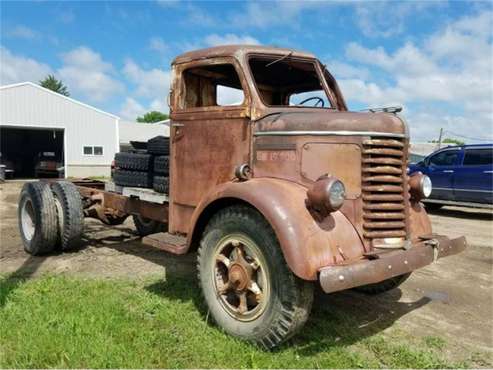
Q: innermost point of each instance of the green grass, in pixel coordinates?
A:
(57, 321)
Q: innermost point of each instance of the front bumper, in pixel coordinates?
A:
(386, 265)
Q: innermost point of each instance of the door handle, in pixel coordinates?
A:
(177, 134)
(487, 171)
(448, 171)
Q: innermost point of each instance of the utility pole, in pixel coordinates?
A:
(440, 138)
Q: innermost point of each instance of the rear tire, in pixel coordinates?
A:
(38, 221)
(283, 305)
(158, 145)
(161, 184)
(71, 220)
(133, 161)
(132, 178)
(383, 286)
(146, 226)
(161, 165)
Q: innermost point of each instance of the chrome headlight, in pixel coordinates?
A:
(337, 194)
(426, 186)
(326, 195)
(419, 186)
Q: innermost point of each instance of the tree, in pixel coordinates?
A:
(449, 140)
(153, 116)
(55, 85)
(452, 141)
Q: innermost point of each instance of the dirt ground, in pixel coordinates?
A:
(451, 299)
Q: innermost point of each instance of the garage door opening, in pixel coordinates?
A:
(32, 153)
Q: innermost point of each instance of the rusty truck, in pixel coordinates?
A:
(275, 185)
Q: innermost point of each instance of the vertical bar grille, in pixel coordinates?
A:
(383, 188)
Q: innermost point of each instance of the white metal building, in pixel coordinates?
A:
(36, 120)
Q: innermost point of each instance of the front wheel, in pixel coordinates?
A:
(246, 283)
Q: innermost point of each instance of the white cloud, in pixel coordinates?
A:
(87, 74)
(452, 68)
(199, 17)
(150, 83)
(22, 32)
(273, 13)
(158, 44)
(131, 109)
(388, 18)
(229, 39)
(346, 70)
(159, 104)
(16, 68)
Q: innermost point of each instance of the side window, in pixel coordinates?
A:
(210, 86)
(98, 150)
(477, 157)
(446, 158)
(93, 150)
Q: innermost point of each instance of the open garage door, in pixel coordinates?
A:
(32, 153)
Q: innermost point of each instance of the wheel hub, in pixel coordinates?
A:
(240, 277)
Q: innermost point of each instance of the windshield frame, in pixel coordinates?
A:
(317, 66)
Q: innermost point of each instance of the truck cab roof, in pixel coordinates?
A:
(238, 51)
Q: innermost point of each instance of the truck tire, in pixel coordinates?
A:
(133, 161)
(71, 219)
(383, 286)
(161, 164)
(132, 178)
(38, 221)
(146, 226)
(248, 287)
(158, 145)
(161, 184)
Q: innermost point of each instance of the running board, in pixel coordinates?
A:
(168, 242)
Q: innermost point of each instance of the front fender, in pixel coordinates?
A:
(307, 245)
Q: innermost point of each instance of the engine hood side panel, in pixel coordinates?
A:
(309, 121)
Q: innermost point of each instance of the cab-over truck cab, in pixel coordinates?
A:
(278, 187)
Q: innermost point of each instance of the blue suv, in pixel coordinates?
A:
(461, 175)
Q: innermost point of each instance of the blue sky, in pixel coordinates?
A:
(435, 58)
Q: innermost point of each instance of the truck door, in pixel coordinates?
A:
(440, 169)
(210, 133)
(474, 179)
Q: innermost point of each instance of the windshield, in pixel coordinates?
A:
(286, 82)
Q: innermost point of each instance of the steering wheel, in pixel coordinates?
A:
(319, 100)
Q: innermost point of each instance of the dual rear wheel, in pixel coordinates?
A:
(50, 217)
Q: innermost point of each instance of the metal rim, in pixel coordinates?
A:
(59, 211)
(28, 222)
(239, 274)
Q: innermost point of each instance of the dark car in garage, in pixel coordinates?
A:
(461, 175)
(48, 164)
